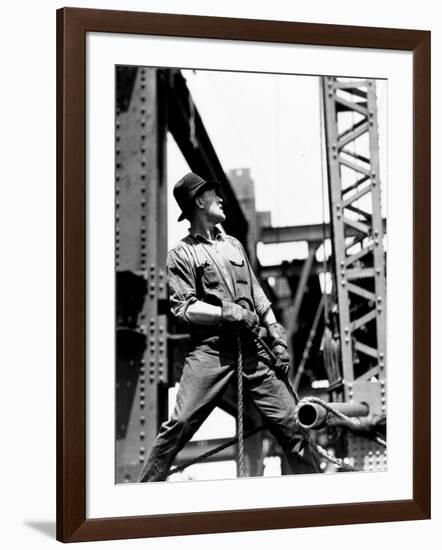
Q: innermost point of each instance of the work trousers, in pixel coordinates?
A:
(207, 371)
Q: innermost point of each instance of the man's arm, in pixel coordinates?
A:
(268, 318)
(201, 313)
(187, 308)
(184, 303)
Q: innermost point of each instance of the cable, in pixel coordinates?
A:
(239, 370)
(322, 139)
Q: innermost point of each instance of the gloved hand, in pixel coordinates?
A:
(278, 344)
(282, 364)
(240, 317)
(277, 335)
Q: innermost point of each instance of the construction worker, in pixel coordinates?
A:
(210, 280)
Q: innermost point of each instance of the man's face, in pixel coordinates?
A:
(212, 205)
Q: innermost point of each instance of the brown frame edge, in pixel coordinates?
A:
(72, 25)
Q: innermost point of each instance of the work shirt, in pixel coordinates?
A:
(211, 271)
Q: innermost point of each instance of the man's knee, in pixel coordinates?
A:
(179, 426)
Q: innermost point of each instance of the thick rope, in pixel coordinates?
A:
(239, 369)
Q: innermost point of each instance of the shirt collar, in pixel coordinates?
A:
(219, 235)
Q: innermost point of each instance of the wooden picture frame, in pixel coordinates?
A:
(72, 26)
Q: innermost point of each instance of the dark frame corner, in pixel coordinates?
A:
(72, 25)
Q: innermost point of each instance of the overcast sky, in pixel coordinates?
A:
(270, 124)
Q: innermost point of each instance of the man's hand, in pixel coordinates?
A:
(237, 315)
(278, 345)
(277, 335)
(282, 364)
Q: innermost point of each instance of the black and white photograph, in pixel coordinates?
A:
(250, 274)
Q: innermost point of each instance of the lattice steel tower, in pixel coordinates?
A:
(351, 128)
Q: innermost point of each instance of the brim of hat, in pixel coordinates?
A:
(211, 184)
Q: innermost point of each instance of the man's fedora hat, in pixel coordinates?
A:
(187, 188)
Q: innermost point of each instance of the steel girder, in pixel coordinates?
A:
(140, 256)
(311, 233)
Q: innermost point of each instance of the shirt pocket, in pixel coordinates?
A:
(209, 275)
(240, 270)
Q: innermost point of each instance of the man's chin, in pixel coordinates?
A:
(217, 217)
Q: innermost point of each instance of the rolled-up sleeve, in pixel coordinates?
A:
(262, 303)
(182, 286)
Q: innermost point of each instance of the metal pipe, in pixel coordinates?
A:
(313, 416)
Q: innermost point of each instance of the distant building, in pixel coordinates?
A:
(244, 188)
(264, 218)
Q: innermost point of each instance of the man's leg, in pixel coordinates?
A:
(203, 380)
(274, 401)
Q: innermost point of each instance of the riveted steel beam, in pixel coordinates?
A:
(140, 252)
